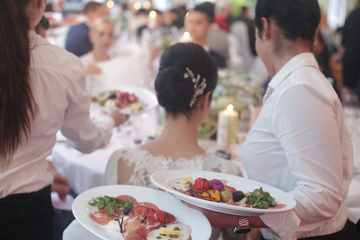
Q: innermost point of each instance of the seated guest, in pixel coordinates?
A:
(223, 10)
(199, 26)
(77, 40)
(101, 36)
(186, 79)
(186, 105)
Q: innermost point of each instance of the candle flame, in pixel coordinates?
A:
(152, 14)
(230, 108)
(186, 35)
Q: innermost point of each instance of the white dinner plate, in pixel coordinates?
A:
(201, 229)
(162, 178)
(146, 97)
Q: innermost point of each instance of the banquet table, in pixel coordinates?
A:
(86, 171)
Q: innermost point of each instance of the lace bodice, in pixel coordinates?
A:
(134, 166)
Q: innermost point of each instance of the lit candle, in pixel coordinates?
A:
(227, 129)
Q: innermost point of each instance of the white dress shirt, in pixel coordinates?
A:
(300, 144)
(61, 101)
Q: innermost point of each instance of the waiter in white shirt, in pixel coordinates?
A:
(42, 90)
(299, 142)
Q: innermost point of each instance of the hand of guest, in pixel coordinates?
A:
(118, 117)
(92, 69)
(60, 185)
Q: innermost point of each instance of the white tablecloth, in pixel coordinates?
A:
(86, 171)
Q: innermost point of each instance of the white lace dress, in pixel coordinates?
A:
(133, 166)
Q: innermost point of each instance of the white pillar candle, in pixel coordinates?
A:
(227, 129)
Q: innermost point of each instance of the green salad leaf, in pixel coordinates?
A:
(260, 199)
(112, 203)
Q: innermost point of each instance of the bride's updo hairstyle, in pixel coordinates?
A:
(186, 73)
(295, 18)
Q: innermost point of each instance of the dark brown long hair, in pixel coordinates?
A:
(16, 98)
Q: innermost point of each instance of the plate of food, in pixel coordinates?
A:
(133, 212)
(223, 193)
(133, 100)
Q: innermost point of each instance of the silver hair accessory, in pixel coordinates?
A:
(199, 85)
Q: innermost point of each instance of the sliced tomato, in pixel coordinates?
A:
(138, 210)
(132, 98)
(147, 204)
(165, 217)
(123, 197)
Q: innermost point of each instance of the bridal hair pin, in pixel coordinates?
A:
(199, 85)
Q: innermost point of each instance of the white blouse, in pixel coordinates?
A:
(300, 144)
(57, 80)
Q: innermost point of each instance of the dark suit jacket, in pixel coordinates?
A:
(220, 60)
(77, 40)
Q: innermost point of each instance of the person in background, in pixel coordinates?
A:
(351, 59)
(223, 10)
(42, 90)
(299, 142)
(101, 36)
(245, 17)
(77, 40)
(42, 27)
(199, 26)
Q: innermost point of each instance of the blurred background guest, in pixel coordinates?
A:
(199, 26)
(223, 10)
(101, 36)
(77, 40)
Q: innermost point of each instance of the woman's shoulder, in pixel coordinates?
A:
(131, 155)
(48, 57)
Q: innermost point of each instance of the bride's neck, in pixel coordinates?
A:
(181, 129)
(177, 140)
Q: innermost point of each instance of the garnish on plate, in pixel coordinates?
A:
(112, 203)
(261, 199)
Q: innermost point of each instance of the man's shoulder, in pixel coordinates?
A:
(79, 27)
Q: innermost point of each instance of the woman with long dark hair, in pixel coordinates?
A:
(299, 142)
(42, 90)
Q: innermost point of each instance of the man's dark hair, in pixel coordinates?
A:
(208, 9)
(91, 6)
